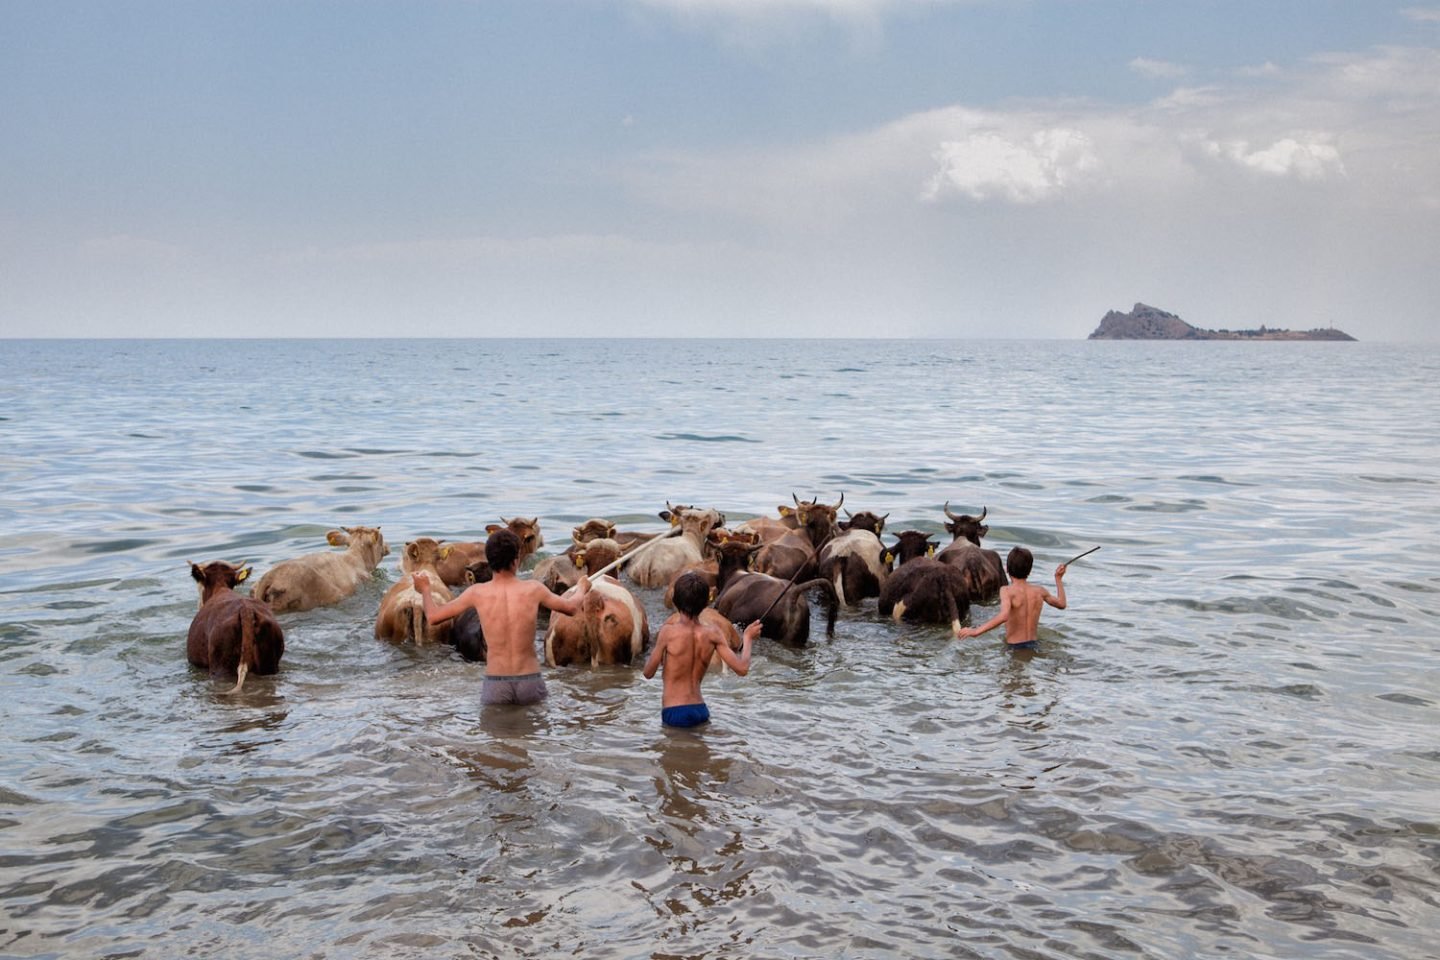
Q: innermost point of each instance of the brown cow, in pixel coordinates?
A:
(320, 579)
(923, 589)
(461, 563)
(783, 608)
(402, 611)
(981, 569)
(527, 530)
(768, 528)
(610, 628)
(708, 569)
(793, 555)
(232, 634)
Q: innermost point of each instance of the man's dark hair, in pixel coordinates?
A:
(1019, 563)
(692, 593)
(501, 549)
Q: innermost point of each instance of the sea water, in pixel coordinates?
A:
(1226, 745)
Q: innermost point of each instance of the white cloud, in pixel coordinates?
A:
(1157, 69)
(987, 165)
(1422, 14)
(1311, 160)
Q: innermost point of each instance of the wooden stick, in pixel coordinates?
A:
(788, 584)
(633, 553)
(1085, 554)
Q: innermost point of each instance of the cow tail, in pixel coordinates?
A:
(951, 609)
(417, 623)
(247, 648)
(839, 569)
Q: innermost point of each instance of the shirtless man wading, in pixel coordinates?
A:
(1021, 603)
(507, 607)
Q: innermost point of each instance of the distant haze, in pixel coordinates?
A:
(858, 168)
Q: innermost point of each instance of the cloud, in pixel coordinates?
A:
(1157, 69)
(1312, 159)
(987, 165)
(1422, 14)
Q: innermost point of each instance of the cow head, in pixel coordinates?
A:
(910, 544)
(597, 554)
(527, 530)
(422, 552)
(217, 575)
(594, 529)
(864, 520)
(816, 518)
(695, 523)
(367, 540)
(968, 527)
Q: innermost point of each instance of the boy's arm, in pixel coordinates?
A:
(993, 622)
(740, 662)
(657, 653)
(569, 604)
(436, 612)
(1058, 601)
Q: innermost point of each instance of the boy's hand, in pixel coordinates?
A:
(584, 584)
(965, 633)
(421, 580)
(753, 631)
(1060, 572)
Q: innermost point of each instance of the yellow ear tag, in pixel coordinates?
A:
(889, 557)
(579, 561)
(930, 550)
(445, 552)
(243, 575)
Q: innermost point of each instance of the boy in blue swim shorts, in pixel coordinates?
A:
(686, 645)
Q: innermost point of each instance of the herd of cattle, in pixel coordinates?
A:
(767, 568)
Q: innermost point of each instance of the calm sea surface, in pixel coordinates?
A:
(1227, 746)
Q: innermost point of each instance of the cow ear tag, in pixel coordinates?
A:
(445, 552)
(243, 575)
(579, 561)
(930, 550)
(889, 557)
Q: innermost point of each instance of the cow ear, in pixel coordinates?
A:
(785, 511)
(929, 549)
(196, 572)
(412, 551)
(492, 527)
(579, 560)
(337, 538)
(666, 515)
(889, 558)
(445, 552)
(242, 574)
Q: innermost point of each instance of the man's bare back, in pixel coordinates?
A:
(508, 608)
(1021, 603)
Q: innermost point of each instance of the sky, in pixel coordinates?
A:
(803, 168)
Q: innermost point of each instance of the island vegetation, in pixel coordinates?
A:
(1149, 323)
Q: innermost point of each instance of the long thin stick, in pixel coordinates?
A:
(1085, 554)
(633, 553)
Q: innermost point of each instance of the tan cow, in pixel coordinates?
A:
(320, 579)
(402, 611)
(658, 562)
(610, 628)
(232, 634)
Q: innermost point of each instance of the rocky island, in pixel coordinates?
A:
(1148, 323)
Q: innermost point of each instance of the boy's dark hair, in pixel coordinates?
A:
(1019, 563)
(501, 549)
(692, 594)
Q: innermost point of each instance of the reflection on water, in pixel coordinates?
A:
(1188, 765)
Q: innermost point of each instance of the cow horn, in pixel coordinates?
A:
(983, 511)
(948, 513)
(795, 498)
(842, 500)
